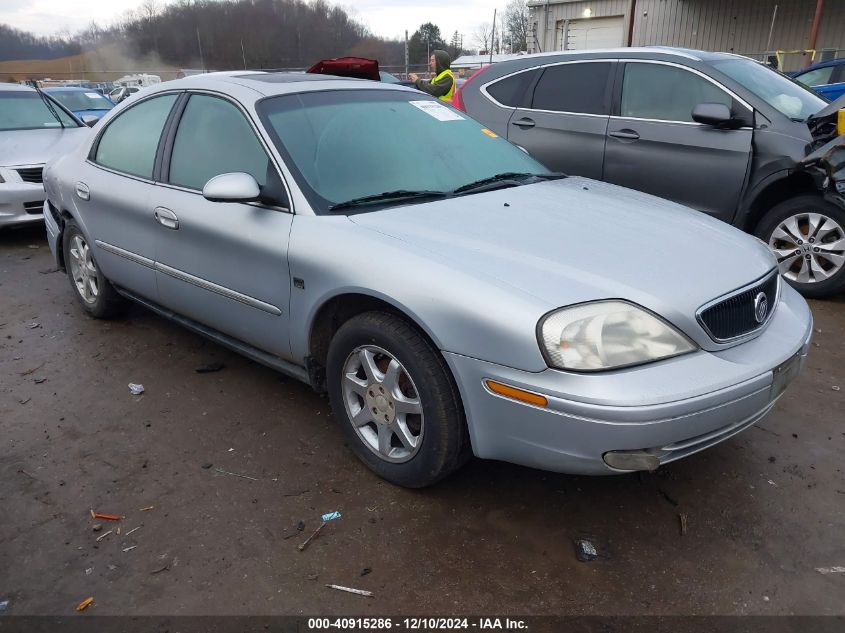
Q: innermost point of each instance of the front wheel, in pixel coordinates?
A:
(395, 400)
(807, 235)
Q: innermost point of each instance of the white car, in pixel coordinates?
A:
(33, 129)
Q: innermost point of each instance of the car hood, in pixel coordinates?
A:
(35, 147)
(576, 240)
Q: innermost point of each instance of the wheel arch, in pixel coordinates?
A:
(794, 184)
(336, 310)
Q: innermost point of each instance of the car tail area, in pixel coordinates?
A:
(458, 98)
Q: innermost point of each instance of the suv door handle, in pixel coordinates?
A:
(526, 123)
(628, 135)
(166, 218)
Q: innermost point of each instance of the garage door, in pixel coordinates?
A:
(595, 33)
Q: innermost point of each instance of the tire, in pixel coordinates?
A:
(811, 267)
(407, 375)
(92, 290)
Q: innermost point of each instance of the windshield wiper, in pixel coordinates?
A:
(398, 195)
(47, 102)
(507, 179)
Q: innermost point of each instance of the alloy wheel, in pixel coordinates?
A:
(810, 247)
(382, 403)
(83, 271)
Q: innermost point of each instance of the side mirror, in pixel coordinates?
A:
(233, 187)
(90, 120)
(715, 114)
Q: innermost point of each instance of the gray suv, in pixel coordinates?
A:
(713, 131)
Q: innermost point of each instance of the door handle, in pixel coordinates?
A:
(525, 123)
(628, 135)
(166, 218)
(82, 191)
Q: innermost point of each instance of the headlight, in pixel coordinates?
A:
(608, 335)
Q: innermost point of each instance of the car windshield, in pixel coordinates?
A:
(352, 144)
(782, 93)
(26, 111)
(76, 100)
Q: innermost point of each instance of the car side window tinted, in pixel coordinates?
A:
(580, 87)
(817, 77)
(666, 93)
(130, 141)
(214, 138)
(510, 91)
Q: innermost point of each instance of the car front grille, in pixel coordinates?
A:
(31, 174)
(735, 315)
(34, 208)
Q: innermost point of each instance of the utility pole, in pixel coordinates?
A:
(814, 33)
(199, 44)
(771, 30)
(492, 36)
(406, 53)
(243, 53)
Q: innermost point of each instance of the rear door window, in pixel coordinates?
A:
(130, 142)
(575, 87)
(510, 91)
(215, 138)
(666, 93)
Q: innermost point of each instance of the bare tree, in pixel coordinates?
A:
(483, 37)
(516, 24)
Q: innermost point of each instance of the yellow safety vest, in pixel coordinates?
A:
(448, 96)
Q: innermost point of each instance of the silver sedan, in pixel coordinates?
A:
(452, 295)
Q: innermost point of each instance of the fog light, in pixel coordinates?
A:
(631, 460)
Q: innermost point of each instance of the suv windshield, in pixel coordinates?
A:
(350, 144)
(76, 100)
(782, 93)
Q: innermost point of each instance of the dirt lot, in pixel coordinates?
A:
(763, 510)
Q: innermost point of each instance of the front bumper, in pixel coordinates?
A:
(20, 202)
(668, 409)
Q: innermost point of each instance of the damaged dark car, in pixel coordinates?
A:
(717, 132)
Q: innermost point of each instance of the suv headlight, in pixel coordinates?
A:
(607, 335)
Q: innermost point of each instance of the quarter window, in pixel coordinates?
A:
(130, 142)
(214, 138)
(666, 93)
(580, 88)
(510, 91)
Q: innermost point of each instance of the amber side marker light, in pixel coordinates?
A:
(840, 123)
(516, 394)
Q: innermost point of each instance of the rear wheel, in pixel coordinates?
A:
(807, 235)
(395, 400)
(93, 291)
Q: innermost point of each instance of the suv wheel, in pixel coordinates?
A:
(395, 400)
(807, 235)
(97, 296)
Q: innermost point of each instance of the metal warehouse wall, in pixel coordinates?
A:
(741, 26)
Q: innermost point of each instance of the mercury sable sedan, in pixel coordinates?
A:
(452, 295)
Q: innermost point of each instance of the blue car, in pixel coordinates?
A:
(826, 78)
(82, 101)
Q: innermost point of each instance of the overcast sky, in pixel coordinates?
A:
(387, 18)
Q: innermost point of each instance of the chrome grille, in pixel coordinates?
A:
(31, 174)
(734, 316)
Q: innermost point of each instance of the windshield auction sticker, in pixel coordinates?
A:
(438, 111)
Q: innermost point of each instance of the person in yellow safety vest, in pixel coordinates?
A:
(443, 84)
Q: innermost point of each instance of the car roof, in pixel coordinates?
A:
(10, 87)
(270, 83)
(67, 89)
(831, 62)
(631, 51)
